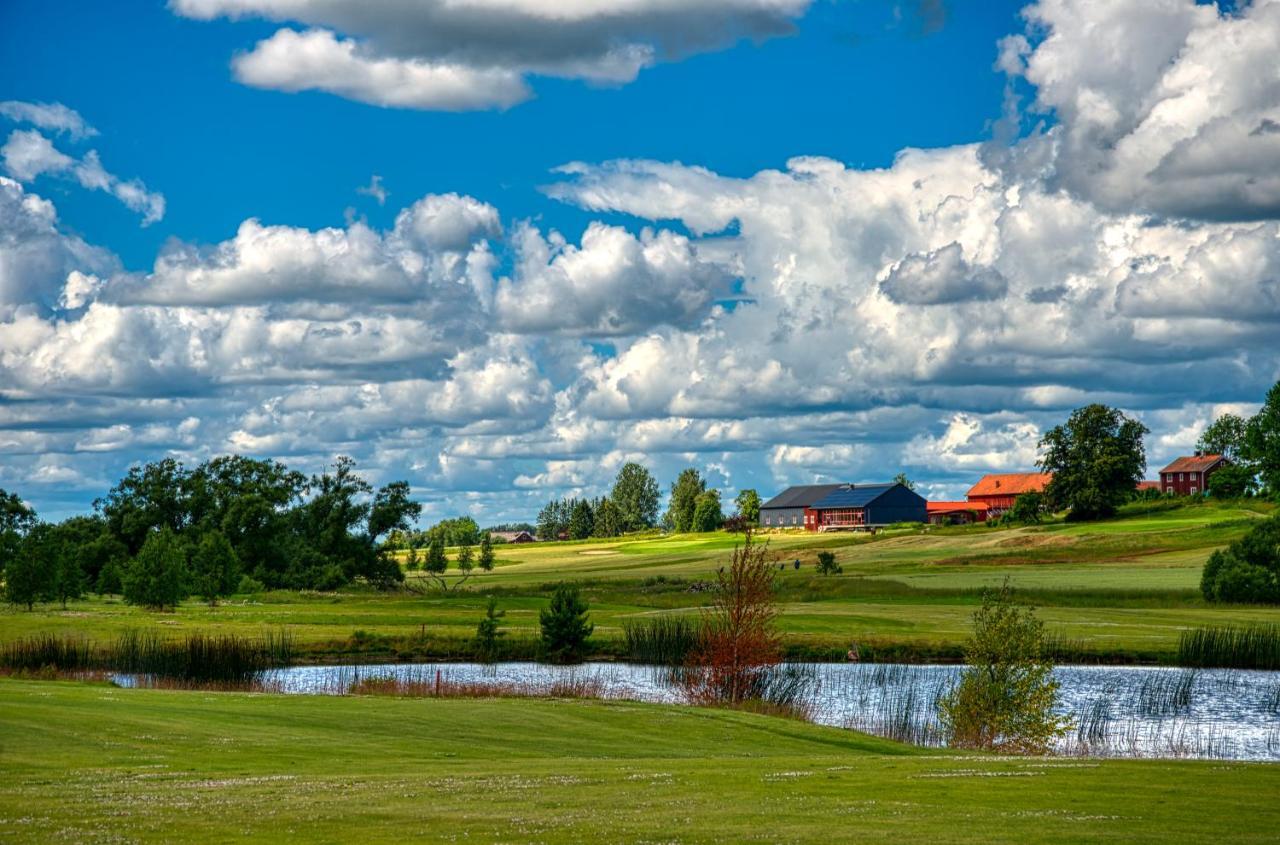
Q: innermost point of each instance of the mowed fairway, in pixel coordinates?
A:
(1119, 590)
(90, 763)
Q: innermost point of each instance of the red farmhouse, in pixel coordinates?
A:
(998, 491)
(1188, 476)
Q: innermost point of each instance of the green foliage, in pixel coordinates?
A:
(1262, 441)
(827, 563)
(248, 585)
(1232, 481)
(488, 633)
(685, 490)
(436, 563)
(901, 478)
(608, 522)
(215, 570)
(458, 531)
(553, 519)
(28, 575)
(466, 558)
(67, 579)
(1224, 436)
(16, 519)
(707, 515)
(1005, 698)
(1097, 459)
(157, 577)
(564, 625)
(1028, 509)
(486, 552)
(635, 493)
(667, 639)
(1248, 570)
(748, 504)
(581, 520)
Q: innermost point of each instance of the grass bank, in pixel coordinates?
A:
(1120, 591)
(95, 763)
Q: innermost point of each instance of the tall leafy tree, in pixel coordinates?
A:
(1248, 570)
(748, 504)
(1097, 459)
(707, 513)
(581, 520)
(249, 501)
(635, 493)
(608, 521)
(901, 478)
(1224, 436)
(16, 520)
(685, 490)
(215, 570)
(67, 578)
(1262, 441)
(158, 578)
(149, 497)
(29, 573)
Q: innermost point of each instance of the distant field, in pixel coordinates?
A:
(93, 763)
(1118, 590)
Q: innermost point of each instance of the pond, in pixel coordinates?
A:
(1118, 711)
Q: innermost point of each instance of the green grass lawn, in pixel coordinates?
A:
(1121, 590)
(91, 763)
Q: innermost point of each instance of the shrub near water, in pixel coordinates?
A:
(1248, 570)
(1006, 696)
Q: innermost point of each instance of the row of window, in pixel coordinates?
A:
(1182, 476)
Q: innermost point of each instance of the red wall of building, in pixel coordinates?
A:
(1186, 483)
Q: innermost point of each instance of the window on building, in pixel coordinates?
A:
(1182, 476)
(1193, 490)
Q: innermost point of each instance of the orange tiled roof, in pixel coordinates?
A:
(949, 507)
(1148, 485)
(1011, 484)
(1193, 463)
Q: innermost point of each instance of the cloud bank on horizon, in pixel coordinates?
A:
(814, 322)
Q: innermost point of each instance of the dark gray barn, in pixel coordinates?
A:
(786, 510)
(854, 506)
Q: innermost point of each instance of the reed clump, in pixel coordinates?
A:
(665, 640)
(1231, 647)
(196, 658)
(438, 684)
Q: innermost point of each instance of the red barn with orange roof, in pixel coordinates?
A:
(998, 490)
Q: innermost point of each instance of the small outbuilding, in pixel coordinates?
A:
(956, 513)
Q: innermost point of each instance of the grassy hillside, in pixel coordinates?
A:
(1119, 590)
(93, 763)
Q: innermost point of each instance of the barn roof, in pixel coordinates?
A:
(800, 496)
(1011, 484)
(954, 507)
(1193, 463)
(853, 496)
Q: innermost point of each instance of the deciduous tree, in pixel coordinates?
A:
(1097, 459)
(157, 577)
(1006, 696)
(685, 491)
(635, 492)
(748, 504)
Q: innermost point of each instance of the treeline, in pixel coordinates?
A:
(232, 524)
(632, 505)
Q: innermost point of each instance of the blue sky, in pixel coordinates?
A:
(797, 240)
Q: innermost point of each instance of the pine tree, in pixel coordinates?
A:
(565, 626)
(487, 632)
(486, 552)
